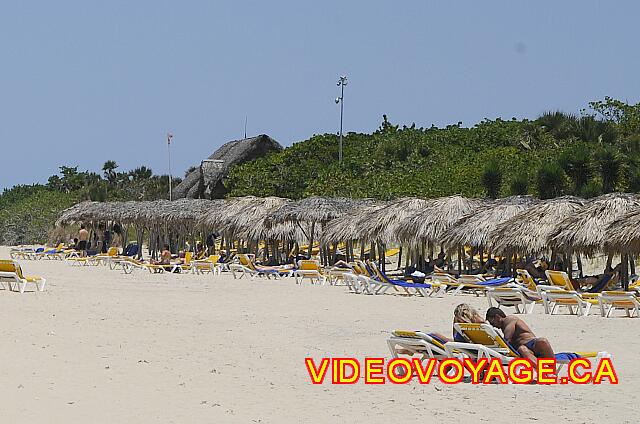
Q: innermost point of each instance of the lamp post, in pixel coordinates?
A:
(169, 137)
(342, 81)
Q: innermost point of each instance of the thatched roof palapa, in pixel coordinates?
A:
(586, 230)
(206, 179)
(380, 225)
(474, 228)
(345, 228)
(528, 232)
(241, 216)
(313, 210)
(623, 234)
(438, 215)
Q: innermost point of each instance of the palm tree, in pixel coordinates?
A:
(576, 162)
(559, 124)
(610, 165)
(141, 173)
(492, 178)
(550, 180)
(109, 169)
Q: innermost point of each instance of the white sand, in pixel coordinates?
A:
(99, 346)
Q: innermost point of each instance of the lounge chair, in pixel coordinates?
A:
(522, 299)
(246, 266)
(416, 342)
(184, 266)
(353, 282)
(485, 342)
(210, 264)
(51, 253)
(369, 281)
(22, 253)
(613, 300)
(130, 264)
(334, 275)
(559, 279)
(530, 283)
(576, 303)
(422, 289)
(12, 272)
(309, 269)
(476, 284)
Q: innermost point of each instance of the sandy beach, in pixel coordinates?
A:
(100, 346)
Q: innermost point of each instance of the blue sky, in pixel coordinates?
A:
(87, 81)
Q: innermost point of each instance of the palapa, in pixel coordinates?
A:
(527, 232)
(437, 216)
(474, 228)
(623, 234)
(586, 230)
(379, 225)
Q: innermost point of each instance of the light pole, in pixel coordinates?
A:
(342, 81)
(169, 137)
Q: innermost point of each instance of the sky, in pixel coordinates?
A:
(82, 82)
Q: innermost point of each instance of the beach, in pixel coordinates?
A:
(100, 346)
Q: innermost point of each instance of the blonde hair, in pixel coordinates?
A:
(466, 313)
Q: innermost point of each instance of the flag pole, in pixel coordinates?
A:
(169, 137)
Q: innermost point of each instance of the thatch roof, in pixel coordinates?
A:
(586, 230)
(380, 224)
(438, 215)
(345, 227)
(474, 228)
(287, 231)
(243, 216)
(205, 180)
(180, 213)
(623, 234)
(313, 210)
(527, 232)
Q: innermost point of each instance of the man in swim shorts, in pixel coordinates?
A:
(518, 334)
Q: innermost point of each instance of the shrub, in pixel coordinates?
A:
(492, 179)
(550, 180)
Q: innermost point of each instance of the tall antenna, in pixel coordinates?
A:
(245, 126)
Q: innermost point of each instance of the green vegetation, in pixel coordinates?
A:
(28, 212)
(553, 155)
(597, 152)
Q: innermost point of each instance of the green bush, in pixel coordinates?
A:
(492, 179)
(519, 184)
(550, 180)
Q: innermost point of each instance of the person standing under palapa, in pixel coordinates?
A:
(83, 238)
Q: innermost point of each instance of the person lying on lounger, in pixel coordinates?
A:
(518, 334)
(165, 257)
(463, 313)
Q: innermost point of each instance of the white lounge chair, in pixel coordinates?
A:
(521, 299)
(613, 300)
(577, 303)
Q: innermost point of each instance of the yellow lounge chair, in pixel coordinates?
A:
(485, 342)
(472, 283)
(559, 279)
(309, 269)
(246, 266)
(207, 265)
(416, 342)
(184, 266)
(130, 264)
(12, 272)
